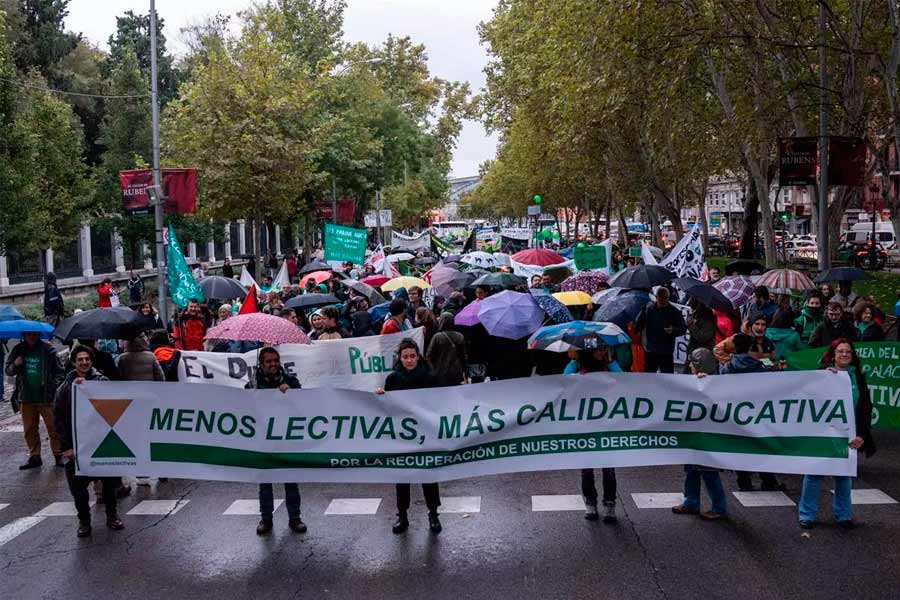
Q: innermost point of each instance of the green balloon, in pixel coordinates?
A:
(537, 199)
(555, 235)
(582, 245)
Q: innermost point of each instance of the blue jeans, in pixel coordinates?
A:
(809, 498)
(713, 488)
(267, 500)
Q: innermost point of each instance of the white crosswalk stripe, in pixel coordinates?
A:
(353, 506)
(557, 502)
(869, 497)
(658, 499)
(760, 499)
(158, 507)
(461, 504)
(248, 507)
(58, 509)
(12, 530)
(2, 506)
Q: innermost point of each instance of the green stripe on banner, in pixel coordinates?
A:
(802, 446)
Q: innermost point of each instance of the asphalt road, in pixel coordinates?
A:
(499, 547)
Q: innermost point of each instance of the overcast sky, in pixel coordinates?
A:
(446, 27)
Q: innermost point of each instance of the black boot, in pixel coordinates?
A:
(264, 527)
(434, 524)
(33, 463)
(84, 530)
(115, 523)
(297, 525)
(401, 524)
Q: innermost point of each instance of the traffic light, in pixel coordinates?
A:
(785, 216)
(537, 199)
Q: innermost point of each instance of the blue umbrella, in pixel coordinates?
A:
(556, 310)
(511, 315)
(15, 329)
(620, 306)
(379, 311)
(579, 335)
(9, 313)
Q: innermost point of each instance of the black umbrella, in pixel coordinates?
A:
(704, 293)
(744, 266)
(619, 306)
(504, 280)
(313, 266)
(842, 274)
(311, 301)
(370, 293)
(117, 323)
(642, 277)
(222, 288)
(425, 261)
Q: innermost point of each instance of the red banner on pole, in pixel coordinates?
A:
(346, 208)
(179, 190)
(846, 161)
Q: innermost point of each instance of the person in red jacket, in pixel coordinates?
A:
(191, 330)
(104, 294)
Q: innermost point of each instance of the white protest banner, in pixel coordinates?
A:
(359, 363)
(679, 355)
(523, 270)
(412, 243)
(793, 422)
(686, 258)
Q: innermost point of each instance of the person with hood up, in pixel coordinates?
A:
(81, 358)
(54, 306)
(841, 357)
(810, 316)
(447, 353)
(783, 336)
(412, 373)
(270, 375)
(837, 324)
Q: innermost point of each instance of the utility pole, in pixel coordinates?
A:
(157, 177)
(378, 217)
(824, 251)
(333, 200)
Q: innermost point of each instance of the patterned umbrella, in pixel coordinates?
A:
(586, 281)
(576, 298)
(786, 279)
(538, 257)
(556, 310)
(258, 327)
(485, 260)
(737, 288)
(579, 335)
(511, 315)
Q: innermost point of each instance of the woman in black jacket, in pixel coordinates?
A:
(412, 373)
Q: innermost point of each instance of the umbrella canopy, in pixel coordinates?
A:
(578, 335)
(468, 316)
(16, 328)
(117, 323)
(537, 257)
(404, 282)
(574, 298)
(642, 277)
(222, 288)
(556, 310)
(425, 261)
(258, 327)
(586, 281)
(311, 301)
(788, 279)
(620, 306)
(502, 259)
(834, 274)
(379, 311)
(744, 266)
(315, 265)
(445, 280)
(452, 258)
(376, 281)
(704, 293)
(400, 257)
(485, 260)
(511, 315)
(370, 293)
(504, 280)
(557, 273)
(737, 288)
(317, 276)
(9, 313)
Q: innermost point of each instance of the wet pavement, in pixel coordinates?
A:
(514, 536)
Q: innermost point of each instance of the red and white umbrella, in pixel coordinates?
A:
(258, 327)
(737, 288)
(786, 279)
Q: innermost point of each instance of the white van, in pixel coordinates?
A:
(860, 233)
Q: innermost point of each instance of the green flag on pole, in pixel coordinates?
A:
(182, 286)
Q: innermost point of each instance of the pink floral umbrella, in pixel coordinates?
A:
(258, 327)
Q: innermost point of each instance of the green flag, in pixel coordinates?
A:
(182, 286)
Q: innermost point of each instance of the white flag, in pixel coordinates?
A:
(646, 254)
(686, 259)
(246, 279)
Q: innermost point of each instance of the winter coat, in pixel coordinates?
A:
(168, 359)
(863, 410)
(703, 333)
(742, 363)
(62, 406)
(104, 296)
(827, 331)
(137, 363)
(869, 332)
(447, 357)
(53, 299)
(786, 341)
(53, 372)
(135, 289)
(807, 322)
(401, 379)
(261, 382)
(653, 320)
(189, 333)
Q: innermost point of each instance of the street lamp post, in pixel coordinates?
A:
(157, 178)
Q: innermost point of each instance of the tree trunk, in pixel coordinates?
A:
(655, 234)
(623, 228)
(701, 214)
(751, 216)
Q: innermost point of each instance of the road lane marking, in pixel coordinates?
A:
(17, 527)
(871, 496)
(758, 499)
(158, 507)
(460, 504)
(248, 507)
(2, 506)
(556, 502)
(353, 506)
(58, 509)
(658, 500)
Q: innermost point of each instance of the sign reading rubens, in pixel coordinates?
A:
(789, 423)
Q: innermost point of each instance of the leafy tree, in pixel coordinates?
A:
(39, 35)
(133, 35)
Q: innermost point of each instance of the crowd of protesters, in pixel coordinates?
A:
(768, 329)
